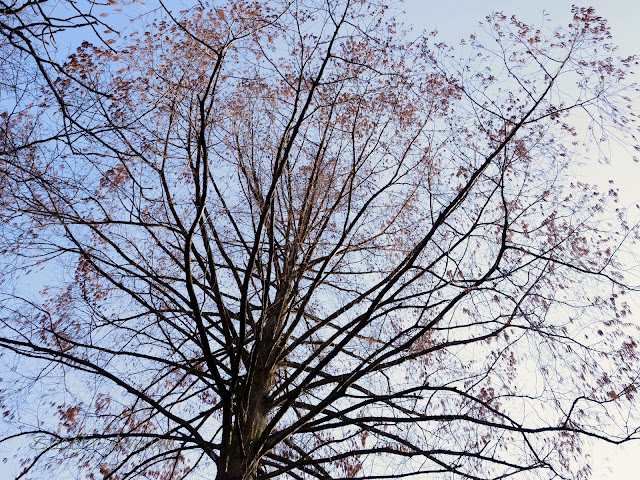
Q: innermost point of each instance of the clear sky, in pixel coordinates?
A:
(456, 19)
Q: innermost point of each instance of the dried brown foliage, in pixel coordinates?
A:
(279, 239)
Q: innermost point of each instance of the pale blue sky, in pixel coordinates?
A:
(456, 19)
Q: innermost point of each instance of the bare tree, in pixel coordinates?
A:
(279, 239)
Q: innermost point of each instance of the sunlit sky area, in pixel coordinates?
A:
(457, 19)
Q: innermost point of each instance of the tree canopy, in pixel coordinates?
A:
(291, 239)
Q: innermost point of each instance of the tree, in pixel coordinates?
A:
(281, 239)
